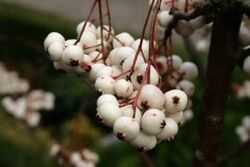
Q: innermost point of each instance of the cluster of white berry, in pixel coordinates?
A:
(129, 80)
(245, 31)
(10, 83)
(82, 158)
(183, 27)
(243, 131)
(26, 107)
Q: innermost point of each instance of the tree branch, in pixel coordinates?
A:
(206, 9)
(234, 152)
(221, 62)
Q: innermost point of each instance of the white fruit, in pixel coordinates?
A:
(150, 97)
(104, 71)
(178, 116)
(169, 131)
(129, 112)
(246, 122)
(176, 61)
(144, 142)
(116, 71)
(126, 128)
(93, 71)
(187, 87)
(55, 51)
(108, 113)
(75, 158)
(33, 119)
(162, 64)
(89, 42)
(96, 57)
(72, 56)
(51, 38)
(164, 18)
(106, 35)
(175, 101)
(246, 65)
(138, 75)
(145, 46)
(121, 54)
(112, 56)
(55, 148)
(123, 88)
(89, 27)
(188, 115)
(84, 66)
(125, 39)
(105, 85)
(153, 121)
(128, 62)
(189, 70)
(107, 98)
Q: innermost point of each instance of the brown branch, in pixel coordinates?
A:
(221, 62)
(146, 159)
(206, 9)
(234, 152)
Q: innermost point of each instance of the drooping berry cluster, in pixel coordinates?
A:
(21, 105)
(243, 131)
(242, 91)
(10, 83)
(143, 94)
(81, 158)
(26, 107)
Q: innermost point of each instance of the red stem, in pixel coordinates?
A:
(86, 21)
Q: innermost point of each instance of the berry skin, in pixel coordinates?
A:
(162, 64)
(128, 62)
(88, 41)
(55, 51)
(164, 18)
(108, 113)
(129, 112)
(105, 85)
(153, 121)
(150, 97)
(123, 88)
(188, 70)
(126, 128)
(137, 76)
(104, 71)
(177, 62)
(51, 38)
(187, 87)
(107, 98)
(169, 131)
(94, 68)
(75, 158)
(175, 101)
(125, 38)
(89, 27)
(246, 65)
(145, 46)
(72, 56)
(177, 117)
(121, 54)
(105, 33)
(144, 142)
(60, 66)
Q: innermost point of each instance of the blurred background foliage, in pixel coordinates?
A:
(72, 122)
